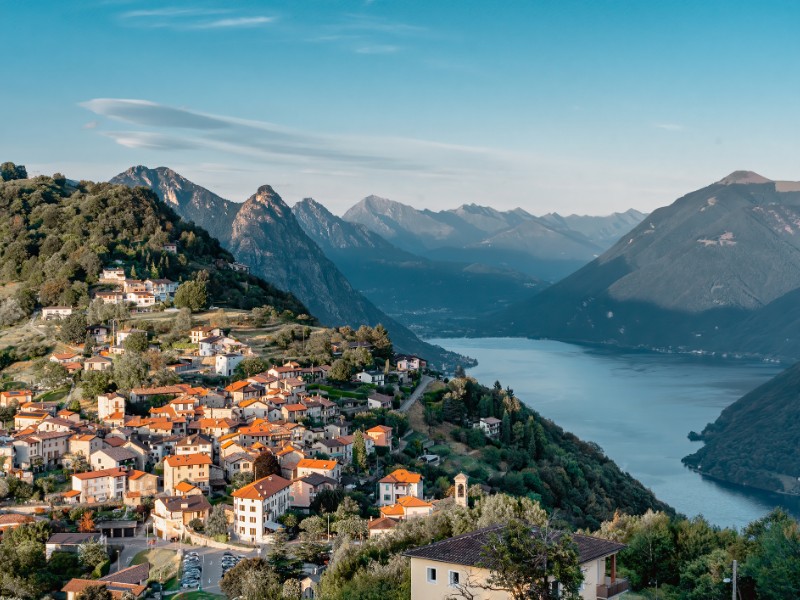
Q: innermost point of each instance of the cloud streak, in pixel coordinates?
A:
(159, 127)
(177, 18)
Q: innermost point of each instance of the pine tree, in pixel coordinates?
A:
(359, 452)
(505, 428)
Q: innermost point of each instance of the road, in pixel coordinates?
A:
(424, 382)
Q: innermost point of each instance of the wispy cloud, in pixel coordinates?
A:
(179, 18)
(377, 49)
(235, 22)
(669, 126)
(159, 127)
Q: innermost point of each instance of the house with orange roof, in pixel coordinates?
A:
(69, 415)
(100, 486)
(397, 484)
(98, 363)
(194, 468)
(12, 397)
(289, 369)
(328, 468)
(293, 412)
(253, 408)
(407, 507)
(140, 485)
(63, 358)
(213, 428)
(172, 514)
(84, 443)
(194, 444)
(22, 420)
(184, 488)
(381, 435)
(380, 526)
(256, 508)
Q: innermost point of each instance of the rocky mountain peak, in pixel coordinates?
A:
(743, 177)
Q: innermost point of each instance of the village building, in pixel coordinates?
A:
(100, 486)
(192, 468)
(306, 488)
(397, 484)
(407, 507)
(438, 568)
(328, 468)
(257, 506)
(490, 427)
(98, 363)
(381, 435)
(12, 397)
(50, 313)
(172, 514)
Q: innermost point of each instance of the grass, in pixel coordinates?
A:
(198, 595)
(54, 395)
(164, 564)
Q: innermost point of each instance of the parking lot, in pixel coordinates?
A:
(208, 565)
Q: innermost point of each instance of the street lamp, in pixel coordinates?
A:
(733, 581)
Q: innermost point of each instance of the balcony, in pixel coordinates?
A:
(611, 589)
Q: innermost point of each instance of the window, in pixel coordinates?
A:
(454, 578)
(431, 575)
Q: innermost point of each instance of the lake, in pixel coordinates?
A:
(639, 407)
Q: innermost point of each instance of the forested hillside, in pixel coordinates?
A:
(532, 456)
(754, 441)
(56, 237)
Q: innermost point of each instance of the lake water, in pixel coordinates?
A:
(639, 407)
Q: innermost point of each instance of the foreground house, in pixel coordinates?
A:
(194, 468)
(100, 486)
(437, 569)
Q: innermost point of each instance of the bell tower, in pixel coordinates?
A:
(461, 481)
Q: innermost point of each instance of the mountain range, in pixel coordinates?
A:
(432, 297)
(546, 248)
(263, 233)
(718, 270)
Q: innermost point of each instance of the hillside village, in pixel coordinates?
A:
(257, 444)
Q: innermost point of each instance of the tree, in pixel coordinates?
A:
(505, 428)
(315, 526)
(282, 563)
(291, 589)
(359, 452)
(251, 579)
(192, 295)
(265, 464)
(136, 342)
(3, 486)
(92, 553)
(130, 370)
(241, 479)
(52, 374)
(9, 171)
(250, 366)
(340, 371)
(86, 524)
(774, 564)
(352, 526)
(522, 561)
(10, 312)
(217, 523)
(95, 592)
(310, 549)
(73, 329)
(95, 383)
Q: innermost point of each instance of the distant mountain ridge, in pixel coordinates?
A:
(710, 272)
(263, 233)
(548, 247)
(433, 297)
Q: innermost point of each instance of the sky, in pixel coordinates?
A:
(581, 107)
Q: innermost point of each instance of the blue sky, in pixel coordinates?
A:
(582, 107)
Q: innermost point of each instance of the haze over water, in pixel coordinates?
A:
(639, 407)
